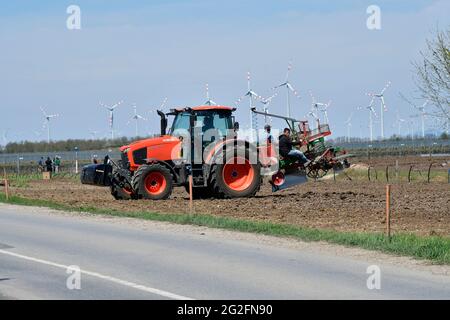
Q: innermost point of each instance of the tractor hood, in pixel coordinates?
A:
(162, 148)
(166, 139)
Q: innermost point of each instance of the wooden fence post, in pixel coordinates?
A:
(429, 171)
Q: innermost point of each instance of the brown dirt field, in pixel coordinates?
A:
(419, 208)
(418, 163)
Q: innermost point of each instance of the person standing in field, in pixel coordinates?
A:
(41, 164)
(48, 164)
(57, 163)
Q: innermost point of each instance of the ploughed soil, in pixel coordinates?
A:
(418, 207)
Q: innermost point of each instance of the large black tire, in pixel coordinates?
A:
(153, 182)
(120, 187)
(222, 189)
(121, 193)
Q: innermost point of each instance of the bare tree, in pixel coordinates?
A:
(432, 76)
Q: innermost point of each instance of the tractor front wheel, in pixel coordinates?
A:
(153, 182)
(120, 193)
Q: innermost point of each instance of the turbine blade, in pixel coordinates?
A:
(385, 87)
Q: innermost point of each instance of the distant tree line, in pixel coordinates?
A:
(66, 145)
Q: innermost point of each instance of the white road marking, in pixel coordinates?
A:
(101, 276)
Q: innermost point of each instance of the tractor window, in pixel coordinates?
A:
(220, 121)
(181, 122)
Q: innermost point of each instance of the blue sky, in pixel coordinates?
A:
(143, 51)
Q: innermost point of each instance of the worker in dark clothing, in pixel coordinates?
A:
(269, 138)
(49, 164)
(286, 150)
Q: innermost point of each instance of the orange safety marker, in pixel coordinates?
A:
(388, 210)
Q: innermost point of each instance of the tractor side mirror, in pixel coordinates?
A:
(236, 126)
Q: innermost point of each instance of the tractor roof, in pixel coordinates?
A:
(205, 108)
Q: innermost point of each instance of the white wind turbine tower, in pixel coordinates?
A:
(111, 115)
(383, 105)
(371, 114)
(252, 95)
(348, 123)
(399, 124)
(266, 102)
(209, 102)
(422, 116)
(136, 117)
(289, 89)
(46, 123)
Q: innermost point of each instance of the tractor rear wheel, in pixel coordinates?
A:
(236, 177)
(153, 182)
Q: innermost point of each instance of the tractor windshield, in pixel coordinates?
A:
(218, 120)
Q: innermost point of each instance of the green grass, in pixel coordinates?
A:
(433, 248)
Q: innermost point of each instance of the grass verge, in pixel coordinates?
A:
(433, 248)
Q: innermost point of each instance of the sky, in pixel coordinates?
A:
(143, 51)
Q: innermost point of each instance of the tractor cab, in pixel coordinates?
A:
(208, 124)
(212, 123)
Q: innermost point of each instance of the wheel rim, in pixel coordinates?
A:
(127, 191)
(238, 174)
(155, 183)
(278, 178)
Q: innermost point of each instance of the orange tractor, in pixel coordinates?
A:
(221, 164)
(150, 168)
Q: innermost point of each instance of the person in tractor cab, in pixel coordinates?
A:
(285, 146)
(269, 138)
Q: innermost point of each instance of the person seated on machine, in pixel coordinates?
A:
(285, 145)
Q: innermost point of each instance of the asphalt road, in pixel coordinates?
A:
(142, 260)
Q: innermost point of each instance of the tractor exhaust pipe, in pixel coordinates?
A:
(163, 122)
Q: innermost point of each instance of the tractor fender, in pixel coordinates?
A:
(218, 149)
(166, 164)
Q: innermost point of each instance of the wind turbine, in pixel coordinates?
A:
(315, 116)
(252, 95)
(320, 107)
(111, 115)
(382, 106)
(371, 114)
(399, 124)
(46, 123)
(136, 117)
(422, 116)
(349, 124)
(266, 102)
(289, 89)
(209, 102)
